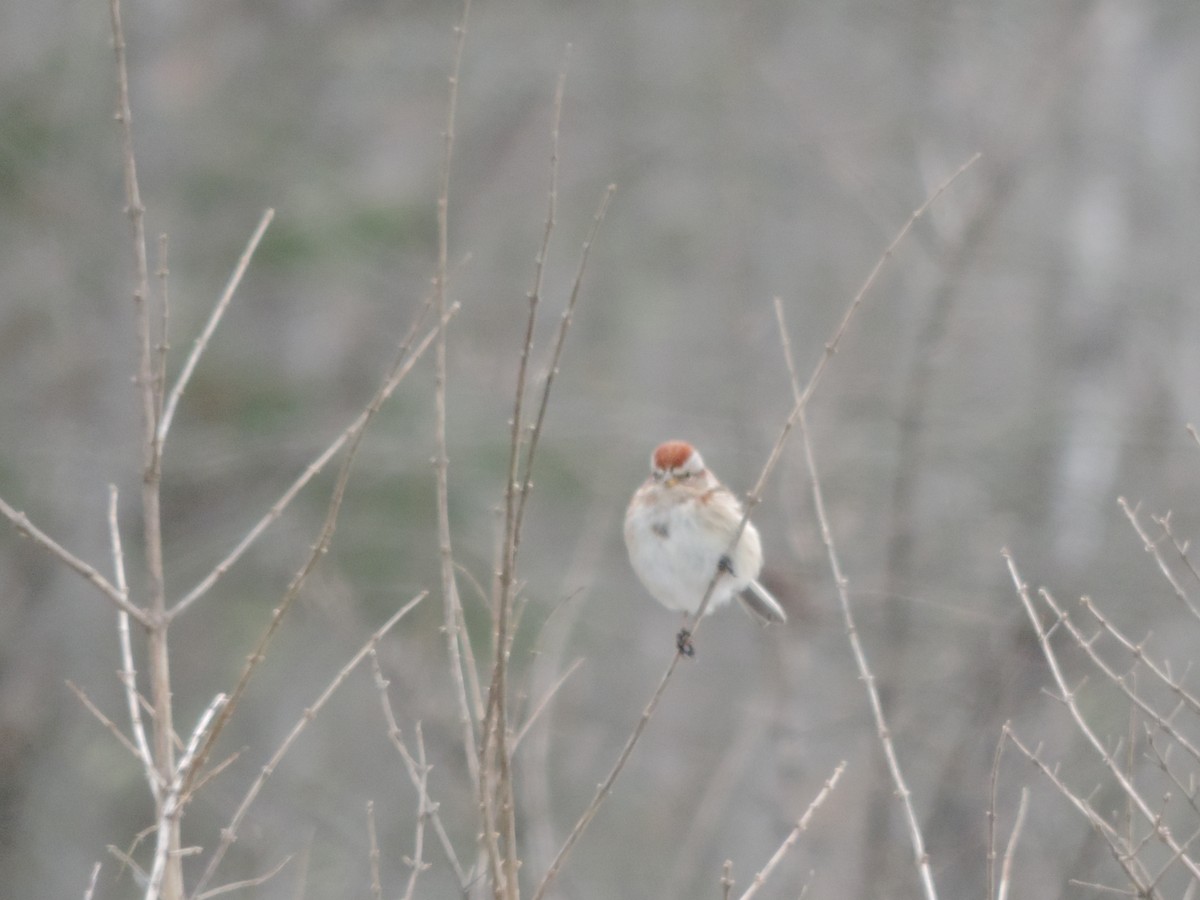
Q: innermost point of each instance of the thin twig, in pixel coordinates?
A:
(921, 858)
(162, 272)
(214, 319)
(104, 720)
(417, 861)
(373, 850)
(151, 405)
(171, 806)
(790, 840)
(803, 397)
(1139, 653)
(405, 361)
(25, 528)
(1151, 547)
(994, 783)
(91, 888)
(247, 883)
(860, 657)
(605, 787)
(128, 673)
(1119, 680)
(402, 366)
(755, 495)
(229, 832)
(1011, 849)
(1068, 697)
(414, 775)
(1132, 867)
(545, 701)
(451, 601)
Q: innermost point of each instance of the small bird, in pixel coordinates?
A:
(678, 530)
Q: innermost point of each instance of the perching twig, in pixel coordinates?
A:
(755, 495)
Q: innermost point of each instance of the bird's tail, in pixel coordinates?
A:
(757, 601)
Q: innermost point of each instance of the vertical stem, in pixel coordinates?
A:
(151, 404)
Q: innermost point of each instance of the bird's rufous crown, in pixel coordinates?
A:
(672, 455)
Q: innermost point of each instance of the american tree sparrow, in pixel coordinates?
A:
(678, 529)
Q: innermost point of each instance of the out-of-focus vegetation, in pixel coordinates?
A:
(1028, 356)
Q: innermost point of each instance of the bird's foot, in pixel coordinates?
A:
(683, 642)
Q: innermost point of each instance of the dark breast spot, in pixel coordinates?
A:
(661, 529)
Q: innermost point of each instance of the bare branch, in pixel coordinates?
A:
(1120, 850)
(373, 846)
(91, 888)
(803, 396)
(752, 500)
(27, 529)
(128, 673)
(416, 862)
(1068, 697)
(882, 730)
(1151, 547)
(103, 719)
(801, 826)
(229, 833)
(247, 883)
(404, 364)
(214, 319)
(545, 701)
(414, 775)
(456, 636)
(1011, 849)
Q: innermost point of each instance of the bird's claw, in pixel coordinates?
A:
(683, 642)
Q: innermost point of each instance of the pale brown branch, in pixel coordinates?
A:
(104, 720)
(403, 365)
(354, 436)
(25, 528)
(214, 319)
(373, 850)
(1011, 849)
(1068, 697)
(91, 888)
(128, 673)
(423, 809)
(456, 636)
(1138, 651)
(1151, 547)
(247, 883)
(921, 858)
(414, 775)
(803, 396)
(605, 787)
(1120, 850)
(752, 500)
(545, 702)
(801, 826)
(229, 832)
(1120, 681)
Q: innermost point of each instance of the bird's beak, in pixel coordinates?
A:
(672, 481)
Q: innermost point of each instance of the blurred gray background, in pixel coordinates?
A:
(1029, 355)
